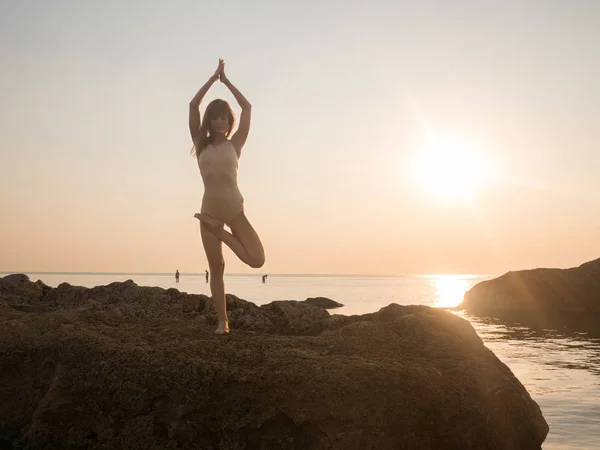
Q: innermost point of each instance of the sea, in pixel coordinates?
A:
(560, 369)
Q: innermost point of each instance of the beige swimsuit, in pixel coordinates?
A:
(218, 166)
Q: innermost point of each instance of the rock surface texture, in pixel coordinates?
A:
(545, 297)
(124, 366)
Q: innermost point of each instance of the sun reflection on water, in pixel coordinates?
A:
(450, 289)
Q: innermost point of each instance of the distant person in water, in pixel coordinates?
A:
(217, 152)
(264, 278)
(206, 275)
(177, 276)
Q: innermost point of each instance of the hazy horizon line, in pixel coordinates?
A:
(275, 274)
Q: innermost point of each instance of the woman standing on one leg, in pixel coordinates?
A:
(222, 203)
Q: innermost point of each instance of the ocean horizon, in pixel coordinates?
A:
(258, 273)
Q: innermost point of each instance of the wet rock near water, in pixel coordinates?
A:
(540, 296)
(125, 366)
(323, 302)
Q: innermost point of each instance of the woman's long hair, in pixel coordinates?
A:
(214, 109)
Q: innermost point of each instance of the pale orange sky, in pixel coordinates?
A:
(95, 171)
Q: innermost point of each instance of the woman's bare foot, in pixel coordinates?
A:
(223, 328)
(212, 224)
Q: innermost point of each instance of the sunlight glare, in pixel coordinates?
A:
(449, 289)
(450, 168)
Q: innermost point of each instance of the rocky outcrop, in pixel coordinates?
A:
(17, 289)
(323, 302)
(539, 295)
(124, 366)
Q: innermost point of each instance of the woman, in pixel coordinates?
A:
(222, 203)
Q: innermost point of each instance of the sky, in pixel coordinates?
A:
(95, 166)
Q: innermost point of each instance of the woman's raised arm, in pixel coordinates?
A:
(194, 117)
(239, 138)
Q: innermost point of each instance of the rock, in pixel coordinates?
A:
(323, 302)
(538, 295)
(93, 373)
(18, 289)
(293, 317)
(194, 303)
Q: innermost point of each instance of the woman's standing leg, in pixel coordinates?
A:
(214, 255)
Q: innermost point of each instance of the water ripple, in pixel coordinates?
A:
(561, 371)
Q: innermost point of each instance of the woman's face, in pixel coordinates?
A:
(219, 123)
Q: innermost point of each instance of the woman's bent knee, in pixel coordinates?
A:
(257, 262)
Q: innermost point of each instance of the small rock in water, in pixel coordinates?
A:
(323, 302)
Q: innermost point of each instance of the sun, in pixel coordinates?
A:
(450, 168)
